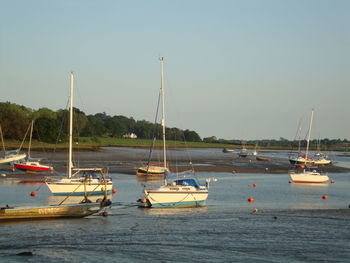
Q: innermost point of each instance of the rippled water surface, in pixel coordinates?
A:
(285, 223)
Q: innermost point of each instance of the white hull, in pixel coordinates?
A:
(308, 177)
(77, 187)
(322, 161)
(176, 196)
(12, 158)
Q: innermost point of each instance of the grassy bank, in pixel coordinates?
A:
(93, 143)
(89, 143)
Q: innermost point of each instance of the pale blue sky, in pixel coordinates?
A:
(233, 69)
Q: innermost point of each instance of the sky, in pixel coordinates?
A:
(233, 69)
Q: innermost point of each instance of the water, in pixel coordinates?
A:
(285, 223)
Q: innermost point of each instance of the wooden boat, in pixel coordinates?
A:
(52, 211)
(184, 192)
(29, 164)
(79, 180)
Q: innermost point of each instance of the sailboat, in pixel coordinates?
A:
(243, 152)
(178, 189)
(308, 174)
(29, 164)
(10, 156)
(94, 181)
(320, 157)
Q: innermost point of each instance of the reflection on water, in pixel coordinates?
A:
(54, 200)
(174, 211)
(310, 186)
(149, 179)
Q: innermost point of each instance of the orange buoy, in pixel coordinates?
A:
(114, 191)
(325, 197)
(33, 193)
(254, 185)
(250, 199)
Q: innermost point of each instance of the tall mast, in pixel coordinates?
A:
(70, 162)
(308, 137)
(30, 138)
(163, 109)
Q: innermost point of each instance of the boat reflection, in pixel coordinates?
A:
(174, 210)
(54, 200)
(308, 185)
(149, 179)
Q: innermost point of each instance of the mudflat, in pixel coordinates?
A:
(128, 159)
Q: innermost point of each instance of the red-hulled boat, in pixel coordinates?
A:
(32, 166)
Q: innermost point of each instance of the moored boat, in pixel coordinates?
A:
(52, 211)
(95, 181)
(184, 190)
(151, 170)
(29, 164)
(32, 166)
(308, 175)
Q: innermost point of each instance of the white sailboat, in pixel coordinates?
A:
(310, 174)
(93, 181)
(10, 156)
(178, 190)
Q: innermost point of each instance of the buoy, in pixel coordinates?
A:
(33, 193)
(114, 191)
(143, 200)
(325, 197)
(250, 199)
(254, 185)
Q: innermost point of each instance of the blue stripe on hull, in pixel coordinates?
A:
(180, 204)
(82, 193)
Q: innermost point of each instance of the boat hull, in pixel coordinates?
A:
(306, 177)
(47, 212)
(176, 197)
(12, 158)
(151, 171)
(322, 162)
(35, 167)
(78, 188)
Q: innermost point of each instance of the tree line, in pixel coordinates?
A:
(52, 126)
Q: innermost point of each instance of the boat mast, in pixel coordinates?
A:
(70, 163)
(163, 109)
(2, 140)
(308, 137)
(30, 138)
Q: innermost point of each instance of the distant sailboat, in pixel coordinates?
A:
(179, 189)
(94, 181)
(308, 175)
(29, 164)
(10, 156)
